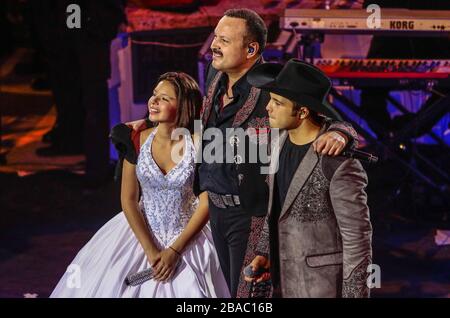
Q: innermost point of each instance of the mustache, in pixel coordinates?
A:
(216, 51)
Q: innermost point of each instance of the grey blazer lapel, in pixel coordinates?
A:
(303, 172)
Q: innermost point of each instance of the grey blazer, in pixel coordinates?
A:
(324, 229)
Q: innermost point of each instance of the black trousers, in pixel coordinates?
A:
(230, 230)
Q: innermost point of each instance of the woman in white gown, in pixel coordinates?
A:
(166, 227)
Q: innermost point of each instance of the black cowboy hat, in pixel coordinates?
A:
(297, 81)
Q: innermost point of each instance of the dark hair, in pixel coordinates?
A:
(256, 28)
(313, 115)
(189, 98)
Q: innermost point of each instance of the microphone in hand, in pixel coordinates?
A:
(361, 155)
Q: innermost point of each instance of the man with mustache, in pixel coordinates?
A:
(238, 192)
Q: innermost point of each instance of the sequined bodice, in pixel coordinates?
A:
(167, 201)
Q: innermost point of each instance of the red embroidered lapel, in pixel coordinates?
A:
(243, 113)
(248, 107)
(208, 99)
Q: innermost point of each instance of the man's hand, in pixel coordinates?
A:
(257, 263)
(137, 124)
(330, 143)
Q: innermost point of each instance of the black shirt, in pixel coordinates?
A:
(290, 157)
(222, 177)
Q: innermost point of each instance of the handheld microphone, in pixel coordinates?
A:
(248, 271)
(139, 278)
(361, 155)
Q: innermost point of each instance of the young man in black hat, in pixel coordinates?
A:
(317, 234)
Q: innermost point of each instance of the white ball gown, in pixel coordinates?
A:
(167, 202)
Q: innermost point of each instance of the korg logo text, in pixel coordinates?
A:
(402, 25)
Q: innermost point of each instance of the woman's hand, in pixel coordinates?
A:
(153, 257)
(166, 264)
